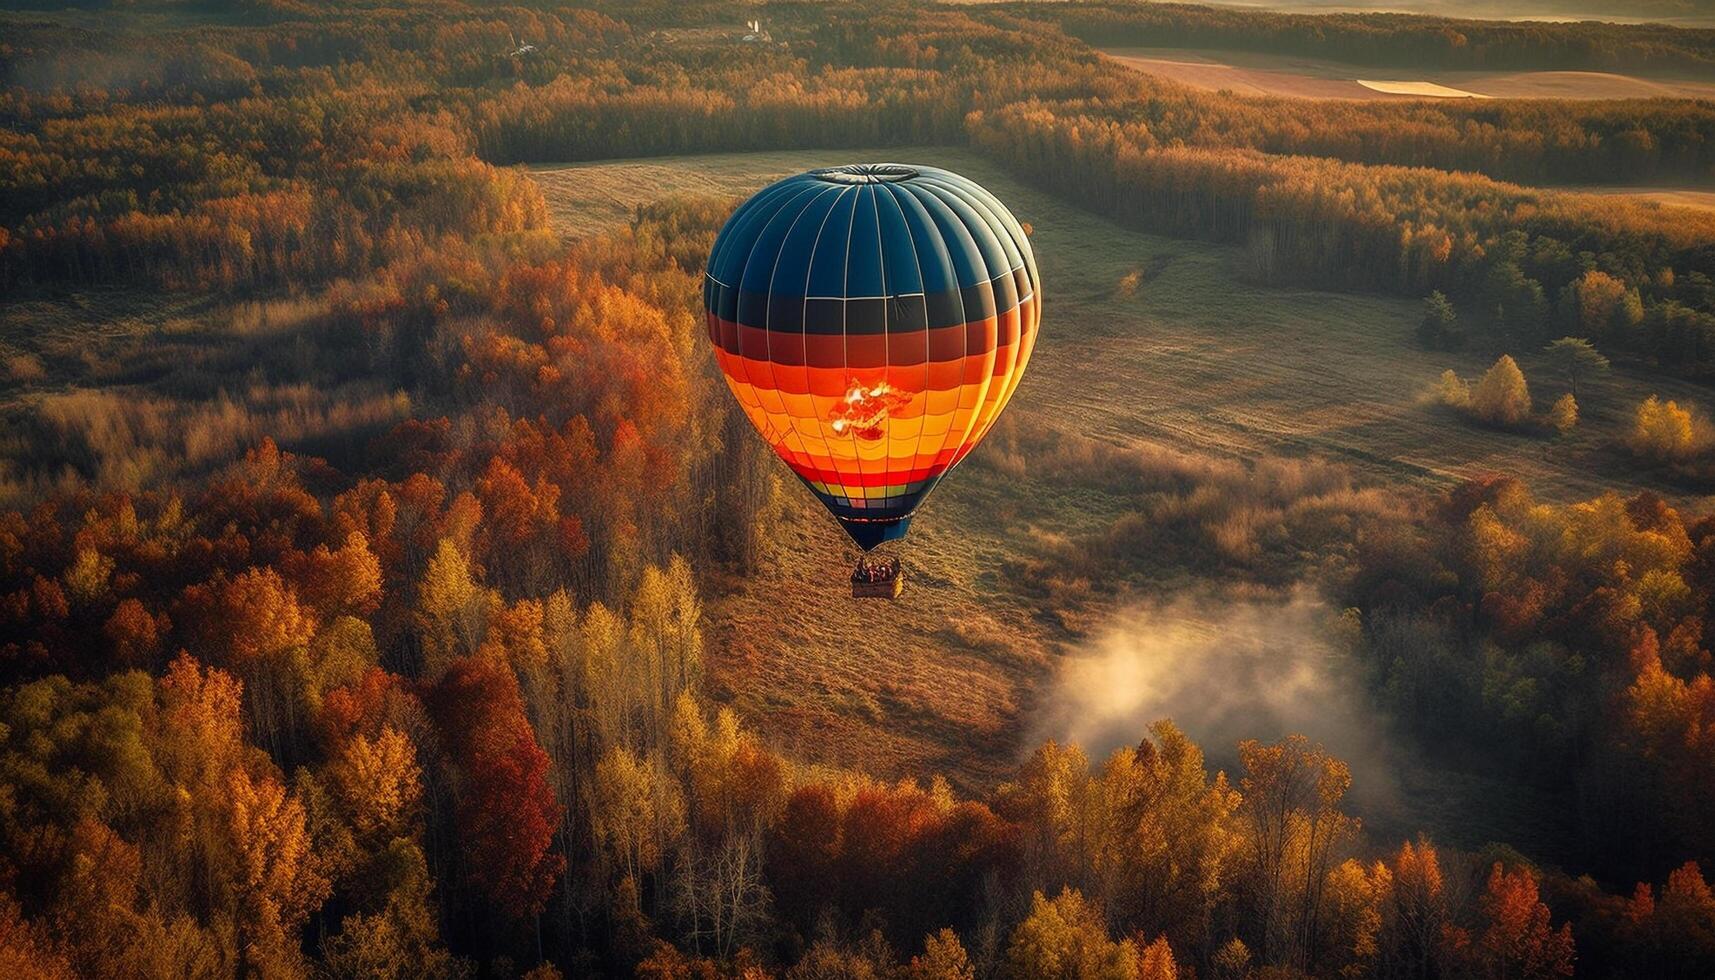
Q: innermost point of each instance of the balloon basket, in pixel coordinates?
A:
(885, 581)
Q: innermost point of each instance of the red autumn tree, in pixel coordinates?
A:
(135, 635)
(505, 807)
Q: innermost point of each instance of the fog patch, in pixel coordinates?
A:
(1226, 669)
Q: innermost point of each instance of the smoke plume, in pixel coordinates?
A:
(1224, 670)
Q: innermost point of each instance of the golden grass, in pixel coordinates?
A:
(25, 368)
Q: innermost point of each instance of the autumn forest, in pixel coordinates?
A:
(369, 542)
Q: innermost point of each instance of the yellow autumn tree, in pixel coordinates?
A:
(1563, 414)
(1064, 938)
(276, 883)
(1167, 835)
(86, 580)
(1665, 433)
(1292, 791)
(1597, 298)
(1048, 796)
(1156, 961)
(451, 608)
(638, 812)
(378, 783)
(943, 958)
(1501, 397)
(1354, 896)
(1452, 391)
(1415, 910)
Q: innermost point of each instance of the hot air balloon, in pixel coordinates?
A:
(872, 321)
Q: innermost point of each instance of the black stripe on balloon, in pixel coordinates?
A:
(787, 313)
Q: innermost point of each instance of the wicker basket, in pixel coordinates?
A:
(887, 589)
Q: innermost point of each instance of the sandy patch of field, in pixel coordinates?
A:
(1419, 90)
(1251, 73)
(586, 199)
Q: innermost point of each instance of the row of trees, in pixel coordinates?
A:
(573, 119)
(1523, 265)
(325, 165)
(551, 769)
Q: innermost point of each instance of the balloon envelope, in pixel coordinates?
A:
(872, 320)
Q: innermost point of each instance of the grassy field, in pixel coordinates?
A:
(957, 676)
(1684, 197)
(1252, 73)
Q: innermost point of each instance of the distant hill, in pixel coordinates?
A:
(1689, 13)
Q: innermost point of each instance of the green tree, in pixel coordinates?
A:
(1576, 358)
(1439, 329)
(1517, 299)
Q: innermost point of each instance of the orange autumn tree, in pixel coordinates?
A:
(1519, 941)
(1672, 934)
